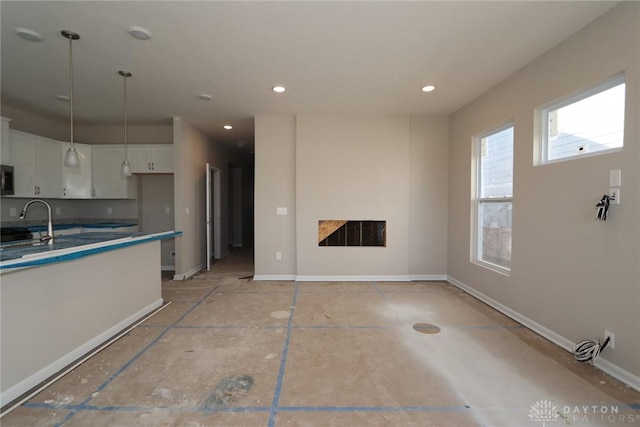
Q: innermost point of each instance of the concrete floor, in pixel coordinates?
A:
(229, 351)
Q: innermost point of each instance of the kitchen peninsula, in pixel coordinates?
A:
(60, 301)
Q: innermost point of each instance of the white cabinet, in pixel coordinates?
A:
(37, 165)
(5, 147)
(151, 158)
(76, 182)
(108, 183)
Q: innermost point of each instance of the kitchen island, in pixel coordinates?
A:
(60, 301)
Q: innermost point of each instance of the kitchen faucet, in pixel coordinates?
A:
(49, 237)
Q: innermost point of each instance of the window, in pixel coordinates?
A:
(591, 121)
(494, 197)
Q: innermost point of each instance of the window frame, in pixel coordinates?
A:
(477, 235)
(542, 120)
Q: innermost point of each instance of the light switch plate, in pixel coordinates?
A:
(281, 211)
(615, 178)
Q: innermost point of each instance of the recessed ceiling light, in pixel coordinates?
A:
(28, 34)
(139, 33)
(63, 98)
(228, 127)
(278, 89)
(205, 97)
(428, 88)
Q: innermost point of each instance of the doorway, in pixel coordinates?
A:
(213, 214)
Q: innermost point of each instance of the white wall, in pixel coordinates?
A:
(69, 210)
(428, 196)
(155, 205)
(388, 168)
(275, 186)
(352, 168)
(570, 274)
(58, 129)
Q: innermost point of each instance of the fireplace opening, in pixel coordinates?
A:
(332, 232)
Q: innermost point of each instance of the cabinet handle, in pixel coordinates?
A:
(35, 190)
(64, 191)
(153, 166)
(149, 166)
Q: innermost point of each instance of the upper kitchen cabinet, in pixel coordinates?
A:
(5, 149)
(76, 182)
(151, 158)
(37, 165)
(108, 183)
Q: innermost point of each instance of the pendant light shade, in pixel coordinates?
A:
(71, 159)
(125, 169)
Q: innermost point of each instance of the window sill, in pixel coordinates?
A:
(493, 267)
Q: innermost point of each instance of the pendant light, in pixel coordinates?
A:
(125, 170)
(71, 159)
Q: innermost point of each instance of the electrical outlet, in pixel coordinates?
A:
(614, 193)
(109, 210)
(278, 256)
(612, 339)
(13, 212)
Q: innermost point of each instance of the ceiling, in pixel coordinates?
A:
(333, 57)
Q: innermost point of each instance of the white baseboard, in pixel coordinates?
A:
(275, 277)
(383, 278)
(614, 370)
(391, 278)
(311, 278)
(189, 273)
(38, 377)
(427, 277)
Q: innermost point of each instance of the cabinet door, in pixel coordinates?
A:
(48, 167)
(140, 158)
(162, 159)
(23, 153)
(5, 147)
(108, 183)
(76, 182)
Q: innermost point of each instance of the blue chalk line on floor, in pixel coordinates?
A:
(283, 361)
(113, 376)
(274, 409)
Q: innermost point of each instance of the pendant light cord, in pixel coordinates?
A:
(126, 157)
(71, 84)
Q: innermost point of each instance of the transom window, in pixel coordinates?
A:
(494, 199)
(591, 121)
